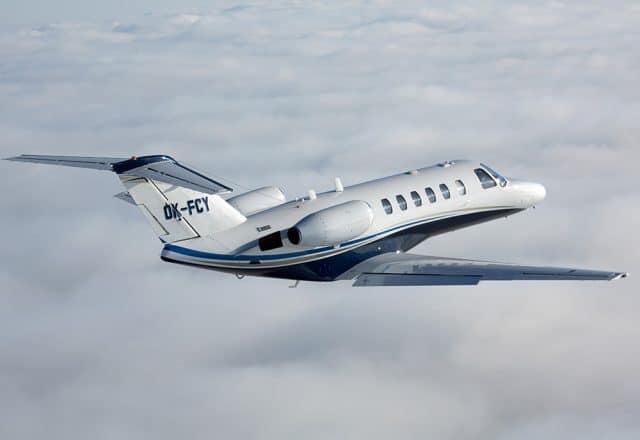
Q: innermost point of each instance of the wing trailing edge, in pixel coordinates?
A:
(417, 270)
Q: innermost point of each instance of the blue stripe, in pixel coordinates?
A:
(130, 164)
(208, 255)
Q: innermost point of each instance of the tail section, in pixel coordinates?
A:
(177, 213)
(179, 202)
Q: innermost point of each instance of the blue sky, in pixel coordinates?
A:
(102, 339)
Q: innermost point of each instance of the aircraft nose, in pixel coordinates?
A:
(528, 193)
(536, 192)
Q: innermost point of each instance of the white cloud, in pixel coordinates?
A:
(102, 339)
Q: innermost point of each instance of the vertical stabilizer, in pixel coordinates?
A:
(176, 213)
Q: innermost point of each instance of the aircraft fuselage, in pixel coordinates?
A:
(406, 209)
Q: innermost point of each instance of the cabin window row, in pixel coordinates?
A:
(417, 199)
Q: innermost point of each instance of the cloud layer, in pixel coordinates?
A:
(101, 339)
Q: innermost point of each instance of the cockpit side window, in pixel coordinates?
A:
(485, 179)
(502, 181)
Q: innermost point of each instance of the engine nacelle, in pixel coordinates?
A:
(258, 200)
(332, 226)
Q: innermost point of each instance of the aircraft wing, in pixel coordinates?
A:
(418, 270)
(157, 167)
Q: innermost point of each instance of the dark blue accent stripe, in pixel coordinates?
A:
(208, 255)
(203, 176)
(226, 257)
(130, 164)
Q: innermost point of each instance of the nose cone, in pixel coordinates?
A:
(531, 193)
(538, 193)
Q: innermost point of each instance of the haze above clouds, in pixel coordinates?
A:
(101, 339)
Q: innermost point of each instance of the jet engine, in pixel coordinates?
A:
(258, 200)
(332, 226)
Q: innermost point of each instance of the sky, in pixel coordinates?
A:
(100, 339)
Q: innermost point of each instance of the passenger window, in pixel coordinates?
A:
(461, 188)
(430, 195)
(417, 200)
(386, 204)
(402, 202)
(444, 189)
(485, 179)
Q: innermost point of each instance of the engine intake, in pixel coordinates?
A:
(332, 226)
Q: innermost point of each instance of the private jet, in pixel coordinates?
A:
(361, 233)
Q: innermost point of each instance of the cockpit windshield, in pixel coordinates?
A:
(502, 181)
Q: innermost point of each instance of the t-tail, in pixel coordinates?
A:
(179, 202)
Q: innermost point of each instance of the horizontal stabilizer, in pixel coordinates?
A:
(95, 163)
(158, 167)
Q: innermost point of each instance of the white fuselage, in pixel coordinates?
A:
(237, 248)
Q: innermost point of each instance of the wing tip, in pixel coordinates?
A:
(14, 158)
(619, 275)
(24, 156)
